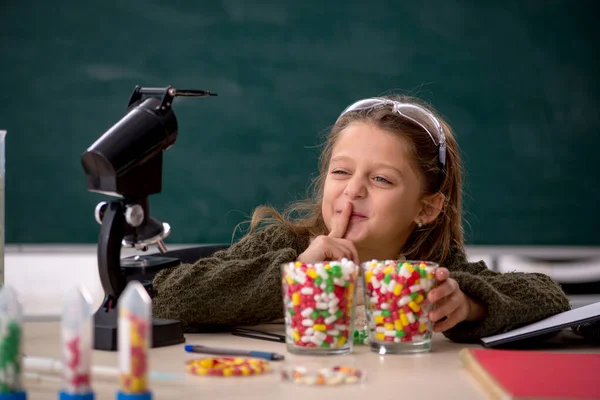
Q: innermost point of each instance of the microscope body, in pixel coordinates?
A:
(126, 162)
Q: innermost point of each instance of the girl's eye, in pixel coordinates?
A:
(382, 180)
(337, 171)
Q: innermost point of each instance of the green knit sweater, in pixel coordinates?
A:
(241, 285)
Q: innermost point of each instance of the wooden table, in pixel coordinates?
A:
(435, 375)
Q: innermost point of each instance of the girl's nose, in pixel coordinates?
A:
(355, 189)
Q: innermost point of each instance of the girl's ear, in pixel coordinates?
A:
(432, 206)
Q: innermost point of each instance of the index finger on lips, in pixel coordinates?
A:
(341, 221)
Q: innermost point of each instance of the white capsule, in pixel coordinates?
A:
(340, 327)
(322, 306)
(405, 272)
(301, 370)
(316, 341)
(375, 283)
(414, 288)
(391, 286)
(301, 277)
(380, 329)
(333, 332)
(306, 290)
(426, 284)
(389, 333)
(404, 300)
(320, 335)
(411, 317)
(309, 331)
(385, 306)
(330, 320)
(306, 312)
(308, 322)
(335, 380)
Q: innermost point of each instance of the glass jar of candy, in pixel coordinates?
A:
(396, 305)
(319, 304)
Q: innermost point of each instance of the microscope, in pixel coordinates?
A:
(126, 163)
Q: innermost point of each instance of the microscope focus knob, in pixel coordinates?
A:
(134, 215)
(99, 211)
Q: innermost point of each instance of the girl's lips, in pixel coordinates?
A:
(354, 215)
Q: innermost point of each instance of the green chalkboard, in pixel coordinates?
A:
(518, 80)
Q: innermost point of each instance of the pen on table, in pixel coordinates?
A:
(190, 348)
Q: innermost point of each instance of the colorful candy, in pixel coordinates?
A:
(337, 375)
(361, 336)
(227, 366)
(319, 304)
(10, 345)
(396, 300)
(135, 313)
(76, 335)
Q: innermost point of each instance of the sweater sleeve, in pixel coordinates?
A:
(235, 286)
(512, 299)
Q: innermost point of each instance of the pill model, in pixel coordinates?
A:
(135, 316)
(76, 342)
(10, 346)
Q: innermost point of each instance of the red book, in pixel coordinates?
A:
(517, 374)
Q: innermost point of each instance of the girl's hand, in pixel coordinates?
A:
(332, 246)
(450, 304)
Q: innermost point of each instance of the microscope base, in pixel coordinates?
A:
(165, 332)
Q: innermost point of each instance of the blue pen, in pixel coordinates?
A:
(190, 348)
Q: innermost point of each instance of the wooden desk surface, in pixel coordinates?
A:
(435, 375)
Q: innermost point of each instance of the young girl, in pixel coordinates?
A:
(389, 188)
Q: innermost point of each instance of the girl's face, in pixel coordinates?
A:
(371, 169)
